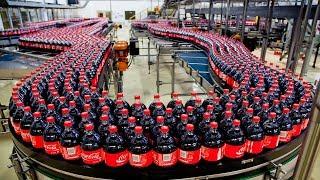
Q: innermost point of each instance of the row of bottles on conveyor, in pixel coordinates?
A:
(93, 127)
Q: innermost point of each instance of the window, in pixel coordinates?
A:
(130, 15)
(5, 19)
(24, 15)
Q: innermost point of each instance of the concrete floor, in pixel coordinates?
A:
(136, 81)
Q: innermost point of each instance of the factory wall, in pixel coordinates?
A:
(118, 8)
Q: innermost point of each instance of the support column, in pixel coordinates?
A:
(28, 15)
(1, 24)
(210, 15)
(244, 18)
(9, 13)
(294, 37)
(178, 19)
(227, 16)
(20, 18)
(193, 13)
(310, 47)
(268, 26)
(301, 37)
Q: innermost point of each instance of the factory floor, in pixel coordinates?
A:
(137, 81)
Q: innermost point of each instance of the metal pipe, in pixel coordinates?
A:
(210, 15)
(298, 47)
(268, 26)
(305, 64)
(244, 18)
(311, 143)
(179, 3)
(193, 13)
(316, 56)
(227, 16)
(294, 36)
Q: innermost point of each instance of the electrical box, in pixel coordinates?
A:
(134, 46)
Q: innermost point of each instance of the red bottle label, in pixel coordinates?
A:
(254, 147)
(234, 151)
(25, 134)
(71, 153)
(165, 160)
(52, 148)
(296, 131)
(16, 127)
(92, 157)
(116, 159)
(189, 157)
(212, 154)
(37, 141)
(305, 123)
(285, 136)
(271, 142)
(141, 160)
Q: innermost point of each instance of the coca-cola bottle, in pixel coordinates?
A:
(118, 110)
(35, 101)
(65, 117)
(242, 110)
(129, 130)
(62, 104)
(114, 148)
(256, 106)
(103, 128)
(140, 152)
(91, 151)
(225, 97)
(229, 107)
(181, 126)
(212, 148)
(234, 103)
(209, 99)
(247, 119)
(101, 103)
(296, 119)
(264, 114)
(255, 137)
(192, 100)
(226, 123)
(92, 115)
(156, 127)
(204, 125)
(13, 104)
(189, 150)
(17, 116)
(70, 142)
(179, 109)
(25, 124)
(106, 111)
(109, 102)
(42, 108)
(137, 100)
(172, 102)
(165, 150)
(52, 112)
(74, 112)
(158, 110)
(88, 101)
(95, 95)
(147, 123)
(79, 100)
(84, 121)
(305, 113)
(192, 119)
(123, 121)
(51, 137)
(36, 131)
(285, 124)
(170, 120)
(218, 109)
(276, 107)
(283, 102)
(264, 98)
(272, 132)
(137, 111)
(235, 141)
(125, 103)
(199, 110)
(242, 98)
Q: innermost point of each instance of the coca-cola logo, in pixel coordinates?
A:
(51, 146)
(91, 156)
(122, 158)
(240, 151)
